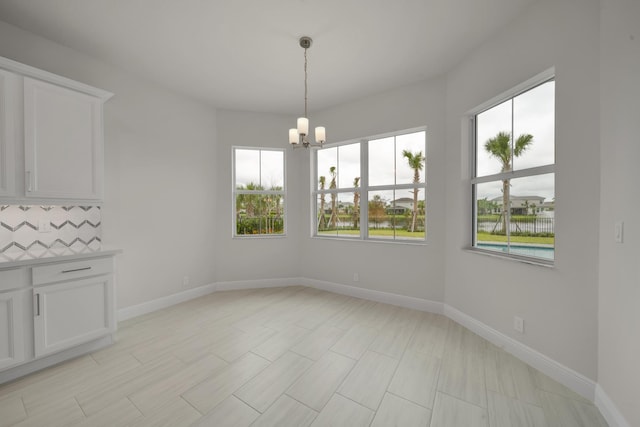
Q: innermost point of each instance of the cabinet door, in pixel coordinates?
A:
(8, 82)
(63, 142)
(11, 328)
(71, 313)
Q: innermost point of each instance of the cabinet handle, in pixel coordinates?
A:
(76, 269)
(28, 179)
(37, 305)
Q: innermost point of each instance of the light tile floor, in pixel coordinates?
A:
(293, 357)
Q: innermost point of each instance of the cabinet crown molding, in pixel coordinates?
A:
(36, 73)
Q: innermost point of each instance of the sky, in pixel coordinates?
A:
(263, 167)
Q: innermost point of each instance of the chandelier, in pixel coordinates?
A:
(299, 136)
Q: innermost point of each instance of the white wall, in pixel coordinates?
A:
(619, 342)
(410, 270)
(241, 259)
(559, 304)
(160, 188)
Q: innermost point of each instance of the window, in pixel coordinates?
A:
(258, 192)
(513, 182)
(372, 189)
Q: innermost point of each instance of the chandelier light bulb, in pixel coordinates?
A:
(303, 126)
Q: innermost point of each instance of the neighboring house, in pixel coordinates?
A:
(400, 206)
(524, 205)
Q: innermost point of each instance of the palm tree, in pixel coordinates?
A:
(500, 147)
(416, 162)
(322, 220)
(248, 201)
(356, 201)
(334, 206)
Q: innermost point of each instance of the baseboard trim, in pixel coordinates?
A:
(164, 302)
(258, 284)
(38, 364)
(379, 296)
(177, 298)
(608, 409)
(563, 374)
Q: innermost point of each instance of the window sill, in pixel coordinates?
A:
(258, 236)
(518, 258)
(383, 241)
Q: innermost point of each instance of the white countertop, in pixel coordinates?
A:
(28, 259)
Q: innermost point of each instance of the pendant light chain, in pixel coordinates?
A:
(305, 82)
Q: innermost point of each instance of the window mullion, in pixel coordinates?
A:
(364, 189)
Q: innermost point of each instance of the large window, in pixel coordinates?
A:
(513, 183)
(258, 192)
(372, 188)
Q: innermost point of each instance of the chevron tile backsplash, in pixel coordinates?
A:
(39, 231)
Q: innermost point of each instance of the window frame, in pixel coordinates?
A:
(530, 84)
(235, 192)
(364, 189)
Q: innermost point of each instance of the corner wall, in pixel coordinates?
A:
(619, 296)
(559, 305)
(253, 258)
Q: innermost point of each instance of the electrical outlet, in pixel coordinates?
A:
(185, 281)
(518, 324)
(356, 277)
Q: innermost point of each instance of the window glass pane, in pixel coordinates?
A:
(408, 213)
(532, 216)
(348, 165)
(493, 140)
(534, 114)
(259, 214)
(379, 221)
(327, 159)
(531, 224)
(272, 170)
(247, 168)
(491, 223)
(348, 226)
(381, 161)
(338, 214)
(413, 145)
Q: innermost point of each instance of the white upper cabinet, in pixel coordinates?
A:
(8, 83)
(62, 142)
(51, 137)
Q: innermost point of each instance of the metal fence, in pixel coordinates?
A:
(530, 225)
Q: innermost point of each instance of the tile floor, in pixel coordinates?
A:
(293, 357)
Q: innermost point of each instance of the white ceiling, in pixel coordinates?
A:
(244, 54)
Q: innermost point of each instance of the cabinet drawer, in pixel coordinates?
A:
(71, 270)
(13, 279)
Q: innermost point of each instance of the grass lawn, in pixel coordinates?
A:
(486, 237)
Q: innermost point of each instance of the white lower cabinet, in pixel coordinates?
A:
(71, 313)
(52, 311)
(11, 328)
